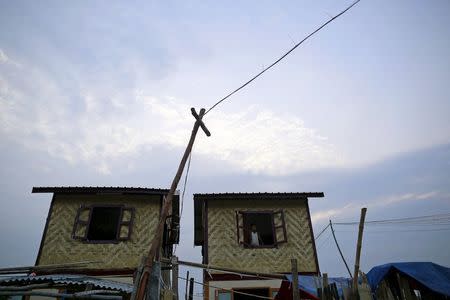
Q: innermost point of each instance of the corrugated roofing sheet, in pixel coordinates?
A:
(68, 279)
(259, 195)
(99, 189)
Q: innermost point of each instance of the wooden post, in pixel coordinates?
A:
(295, 293)
(191, 289)
(186, 288)
(358, 251)
(153, 293)
(165, 211)
(325, 293)
(175, 277)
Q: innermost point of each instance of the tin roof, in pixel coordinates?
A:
(258, 196)
(200, 198)
(68, 279)
(100, 190)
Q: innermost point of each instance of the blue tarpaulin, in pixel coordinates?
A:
(431, 275)
(309, 283)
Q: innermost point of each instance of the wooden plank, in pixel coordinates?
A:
(358, 250)
(295, 292)
(175, 277)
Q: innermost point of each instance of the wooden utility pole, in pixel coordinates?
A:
(358, 251)
(165, 212)
(295, 293)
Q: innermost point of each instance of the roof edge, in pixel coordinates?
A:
(259, 195)
(96, 190)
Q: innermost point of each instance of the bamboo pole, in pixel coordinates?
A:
(358, 250)
(295, 293)
(191, 289)
(156, 242)
(186, 288)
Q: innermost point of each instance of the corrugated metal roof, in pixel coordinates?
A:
(99, 189)
(259, 195)
(68, 279)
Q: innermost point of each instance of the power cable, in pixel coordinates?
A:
(438, 219)
(323, 230)
(340, 252)
(282, 57)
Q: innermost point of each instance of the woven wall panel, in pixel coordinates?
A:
(223, 249)
(59, 247)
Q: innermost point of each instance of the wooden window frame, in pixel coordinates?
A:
(87, 223)
(272, 213)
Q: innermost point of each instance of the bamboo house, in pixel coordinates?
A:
(259, 232)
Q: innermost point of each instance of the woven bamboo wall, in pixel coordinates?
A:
(59, 247)
(223, 249)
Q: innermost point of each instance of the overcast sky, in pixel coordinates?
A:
(98, 93)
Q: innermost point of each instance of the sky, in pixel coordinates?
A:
(99, 93)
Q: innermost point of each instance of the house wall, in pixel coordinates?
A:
(224, 250)
(58, 247)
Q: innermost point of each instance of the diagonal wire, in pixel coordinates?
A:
(323, 230)
(282, 57)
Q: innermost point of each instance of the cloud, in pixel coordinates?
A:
(353, 207)
(5, 59)
(102, 124)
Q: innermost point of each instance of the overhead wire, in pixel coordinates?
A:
(282, 57)
(437, 219)
(323, 230)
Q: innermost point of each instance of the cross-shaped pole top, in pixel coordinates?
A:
(199, 117)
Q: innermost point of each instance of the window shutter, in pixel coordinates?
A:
(240, 227)
(126, 223)
(80, 227)
(279, 227)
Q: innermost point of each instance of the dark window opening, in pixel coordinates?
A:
(104, 224)
(252, 294)
(259, 229)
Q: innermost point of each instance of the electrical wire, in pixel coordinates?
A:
(324, 241)
(438, 219)
(323, 230)
(282, 57)
(394, 231)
